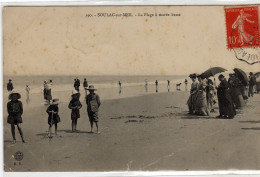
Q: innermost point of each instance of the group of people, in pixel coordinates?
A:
(15, 109)
(231, 95)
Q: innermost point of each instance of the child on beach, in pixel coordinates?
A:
(54, 118)
(10, 86)
(75, 105)
(93, 103)
(15, 111)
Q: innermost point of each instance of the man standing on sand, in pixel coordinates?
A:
(156, 85)
(186, 84)
(93, 104)
(85, 85)
(10, 86)
(252, 82)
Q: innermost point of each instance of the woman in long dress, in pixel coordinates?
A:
(201, 98)
(226, 106)
(193, 91)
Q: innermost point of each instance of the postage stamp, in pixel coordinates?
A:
(242, 27)
(242, 32)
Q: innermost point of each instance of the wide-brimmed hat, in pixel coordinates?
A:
(91, 87)
(55, 101)
(10, 79)
(250, 73)
(192, 75)
(13, 93)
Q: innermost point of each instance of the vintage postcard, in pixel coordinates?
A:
(131, 88)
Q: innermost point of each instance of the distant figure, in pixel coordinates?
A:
(146, 85)
(15, 111)
(27, 89)
(53, 118)
(85, 85)
(44, 90)
(48, 88)
(76, 84)
(178, 86)
(252, 83)
(10, 86)
(168, 85)
(120, 84)
(226, 106)
(156, 85)
(93, 104)
(75, 105)
(186, 84)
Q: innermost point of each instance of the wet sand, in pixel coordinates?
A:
(147, 133)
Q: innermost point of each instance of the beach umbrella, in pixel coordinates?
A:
(242, 76)
(257, 74)
(212, 72)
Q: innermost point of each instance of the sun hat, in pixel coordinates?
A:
(10, 79)
(55, 101)
(13, 93)
(91, 87)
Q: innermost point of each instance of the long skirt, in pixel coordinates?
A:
(236, 95)
(201, 106)
(226, 105)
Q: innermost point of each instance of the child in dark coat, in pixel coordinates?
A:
(93, 103)
(15, 111)
(54, 118)
(75, 105)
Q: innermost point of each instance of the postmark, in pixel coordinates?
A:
(242, 28)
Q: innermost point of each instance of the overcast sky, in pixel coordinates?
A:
(62, 40)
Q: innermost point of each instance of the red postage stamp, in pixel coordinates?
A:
(242, 25)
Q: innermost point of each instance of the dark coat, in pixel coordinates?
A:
(226, 105)
(93, 102)
(75, 111)
(54, 117)
(10, 86)
(15, 111)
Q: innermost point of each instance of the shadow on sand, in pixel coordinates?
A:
(252, 128)
(250, 121)
(66, 131)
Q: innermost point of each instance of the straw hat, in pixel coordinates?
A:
(91, 87)
(13, 93)
(55, 101)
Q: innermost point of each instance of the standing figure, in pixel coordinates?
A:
(85, 85)
(226, 106)
(146, 85)
(76, 84)
(252, 82)
(75, 105)
(15, 111)
(44, 90)
(48, 88)
(186, 84)
(93, 104)
(236, 91)
(168, 85)
(244, 37)
(193, 92)
(201, 107)
(10, 86)
(156, 85)
(120, 87)
(210, 94)
(27, 89)
(53, 118)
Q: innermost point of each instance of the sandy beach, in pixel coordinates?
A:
(147, 133)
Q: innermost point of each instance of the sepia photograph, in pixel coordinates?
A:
(131, 88)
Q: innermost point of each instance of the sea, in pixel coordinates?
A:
(107, 85)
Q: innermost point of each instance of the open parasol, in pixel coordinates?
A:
(212, 71)
(242, 76)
